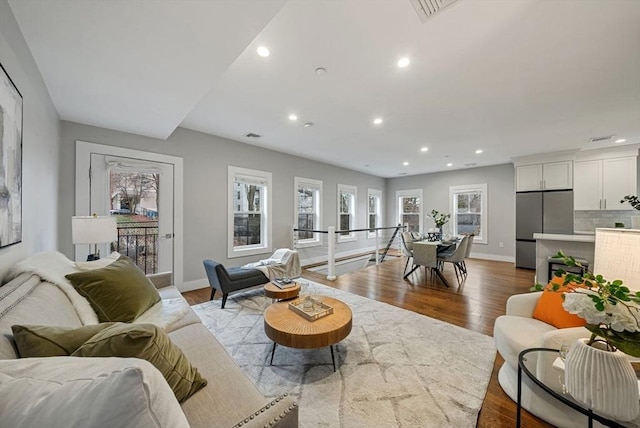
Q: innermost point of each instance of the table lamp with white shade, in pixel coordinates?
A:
(93, 230)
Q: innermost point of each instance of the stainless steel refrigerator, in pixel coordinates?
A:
(540, 212)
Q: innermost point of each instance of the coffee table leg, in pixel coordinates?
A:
(273, 351)
(333, 359)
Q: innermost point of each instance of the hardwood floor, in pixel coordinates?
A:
(474, 305)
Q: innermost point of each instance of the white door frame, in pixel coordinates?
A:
(83, 162)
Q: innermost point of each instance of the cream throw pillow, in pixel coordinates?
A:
(75, 392)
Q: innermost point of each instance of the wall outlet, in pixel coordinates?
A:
(501, 244)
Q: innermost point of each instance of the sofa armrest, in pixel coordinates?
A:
(523, 305)
(162, 279)
(281, 412)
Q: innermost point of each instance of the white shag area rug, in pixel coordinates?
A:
(396, 368)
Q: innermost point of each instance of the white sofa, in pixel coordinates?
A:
(229, 399)
(517, 331)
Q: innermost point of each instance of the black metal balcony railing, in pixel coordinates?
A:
(139, 242)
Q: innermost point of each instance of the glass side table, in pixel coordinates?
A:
(525, 366)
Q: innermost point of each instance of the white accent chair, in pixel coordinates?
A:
(517, 331)
(617, 256)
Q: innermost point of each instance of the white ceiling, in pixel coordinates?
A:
(512, 78)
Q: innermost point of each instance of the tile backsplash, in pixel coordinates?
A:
(588, 221)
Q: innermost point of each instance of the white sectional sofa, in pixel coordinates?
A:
(229, 399)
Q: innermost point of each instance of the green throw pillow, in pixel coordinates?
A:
(151, 343)
(47, 341)
(117, 292)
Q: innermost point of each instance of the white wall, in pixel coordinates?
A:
(40, 143)
(206, 158)
(500, 181)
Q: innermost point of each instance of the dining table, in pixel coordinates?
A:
(425, 253)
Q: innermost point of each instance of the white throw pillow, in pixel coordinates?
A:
(82, 392)
(98, 264)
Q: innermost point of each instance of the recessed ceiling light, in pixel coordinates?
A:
(405, 163)
(321, 70)
(293, 117)
(403, 62)
(621, 140)
(377, 120)
(308, 125)
(449, 164)
(263, 51)
(424, 149)
(478, 151)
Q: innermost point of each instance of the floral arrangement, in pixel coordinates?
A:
(439, 218)
(611, 310)
(632, 200)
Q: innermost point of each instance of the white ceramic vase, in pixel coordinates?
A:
(603, 381)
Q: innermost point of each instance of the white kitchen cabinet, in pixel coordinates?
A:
(601, 184)
(544, 176)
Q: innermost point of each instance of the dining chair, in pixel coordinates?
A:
(463, 265)
(426, 254)
(407, 250)
(456, 257)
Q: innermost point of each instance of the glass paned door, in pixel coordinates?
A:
(140, 195)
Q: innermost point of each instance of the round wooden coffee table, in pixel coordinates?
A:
(286, 327)
(277, 293)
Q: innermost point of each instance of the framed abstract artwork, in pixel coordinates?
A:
(10, 161)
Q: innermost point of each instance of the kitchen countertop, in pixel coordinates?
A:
(569, 238)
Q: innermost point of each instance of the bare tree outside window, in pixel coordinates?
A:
(469, 212)
(345, 211)
(410, 212)
(306, 211)
(373, 212)
(247, 218)
(134, 199)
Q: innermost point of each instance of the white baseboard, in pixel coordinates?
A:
(495, 257)
(193, 285)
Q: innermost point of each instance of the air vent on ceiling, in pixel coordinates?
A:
(601, 139)
(252, 135)
(427, 8)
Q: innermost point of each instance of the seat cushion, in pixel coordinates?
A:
(513, 334)
(239, 278)
(229, 388)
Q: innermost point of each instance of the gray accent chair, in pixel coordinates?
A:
(232, 279)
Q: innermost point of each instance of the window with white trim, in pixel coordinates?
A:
(469, 211)
(409, 209)
(374, 219)
(308, 210)
(347, 196)
(249, 224)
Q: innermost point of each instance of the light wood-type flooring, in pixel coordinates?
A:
(474, 305)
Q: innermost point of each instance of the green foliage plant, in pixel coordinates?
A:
(632, 200)
(439, 219)
(611, 310)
